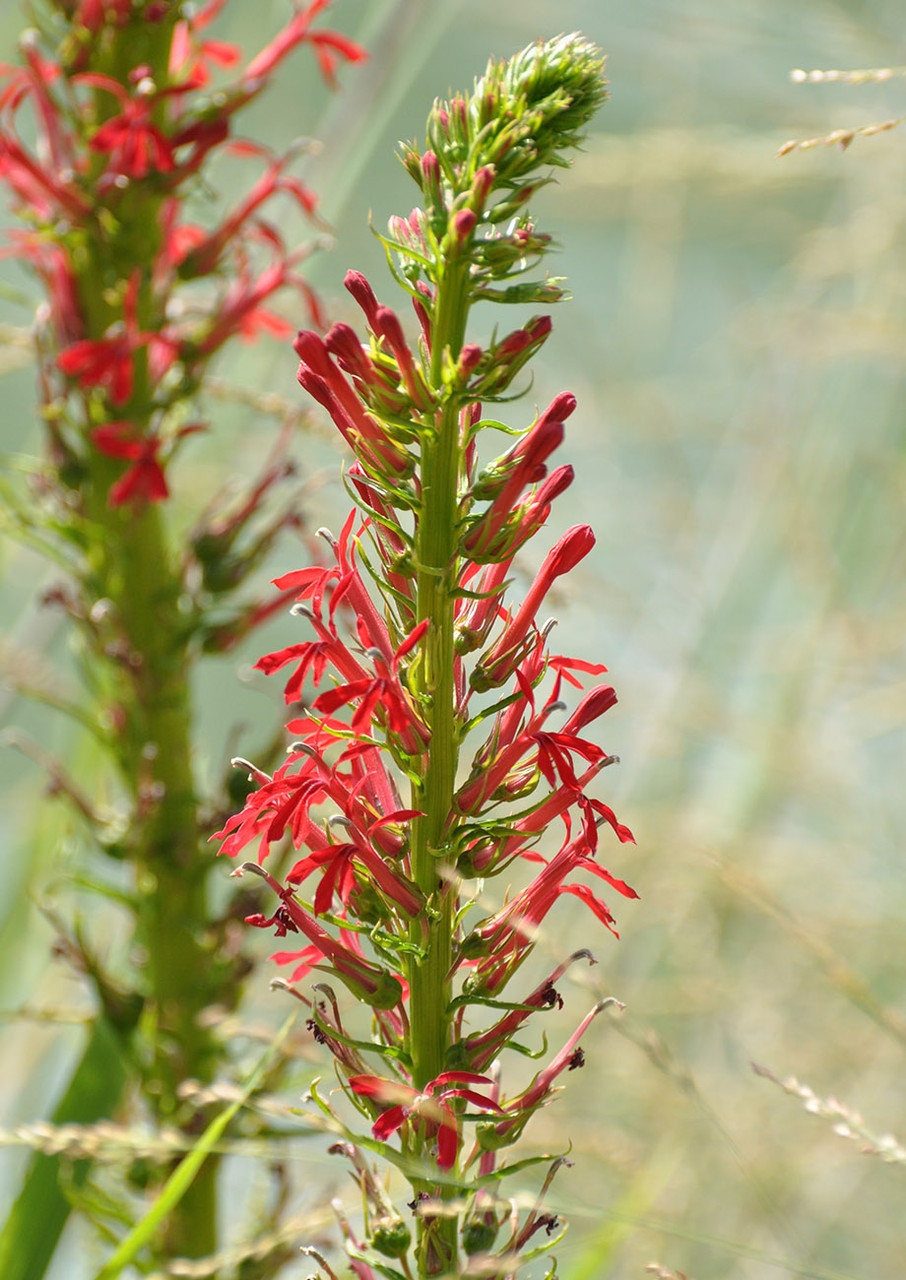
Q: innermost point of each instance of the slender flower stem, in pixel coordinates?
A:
(436, 577)
(137, 572)
(437, 572)
(169, 871)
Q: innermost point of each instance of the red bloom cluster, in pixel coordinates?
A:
(340, 769)
(414, 658)
(431, 1108)
(113, 157)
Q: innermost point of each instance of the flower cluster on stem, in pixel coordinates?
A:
(128, 117)
(430, 682)
(108, 126)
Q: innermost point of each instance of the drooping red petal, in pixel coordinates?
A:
(388, 1122)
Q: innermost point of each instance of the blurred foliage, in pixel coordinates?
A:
(736, 345)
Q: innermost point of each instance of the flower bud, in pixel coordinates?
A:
(462, 226)
(482, 185)
(478, 1236)
(430, 181)
(391, 1237)
(363, 293)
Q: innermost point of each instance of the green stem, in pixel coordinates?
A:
(131, 564)
(437, 565)
(148, 687)
(170, 873)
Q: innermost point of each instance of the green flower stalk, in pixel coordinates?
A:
(129, 102)
(442, 688)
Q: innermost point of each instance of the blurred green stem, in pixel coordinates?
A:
(132, 568)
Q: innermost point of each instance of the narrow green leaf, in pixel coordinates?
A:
(36, 1221)
(185, 1172)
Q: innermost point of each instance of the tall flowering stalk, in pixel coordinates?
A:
(130, 100)
(431, 683)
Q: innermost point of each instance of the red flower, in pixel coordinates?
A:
(47, 191)
(518, 748)
(380, 690)
(144, 481)
(568, 1059)
(510, 934)
(326, 44)
(368, 982)
(192, 56)
(304, 960)
(430, 1108)
(202, 257)
(325, 382)
(135, 146)
(575, 544)
(313, 657)
(239, 310)
(337, 860)
(484, 1047)
(101, 362)
(260, 320)
(108, 362)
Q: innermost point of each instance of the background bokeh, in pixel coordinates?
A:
(736, 344)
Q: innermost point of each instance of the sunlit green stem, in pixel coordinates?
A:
(432, 865)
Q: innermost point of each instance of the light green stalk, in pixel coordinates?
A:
(437, 573)
(132, 565)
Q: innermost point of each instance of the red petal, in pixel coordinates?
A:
(274, 661)
(370, 1086)
(447, 1144)
(388, 1123)
(594, 904)
(412, 639)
